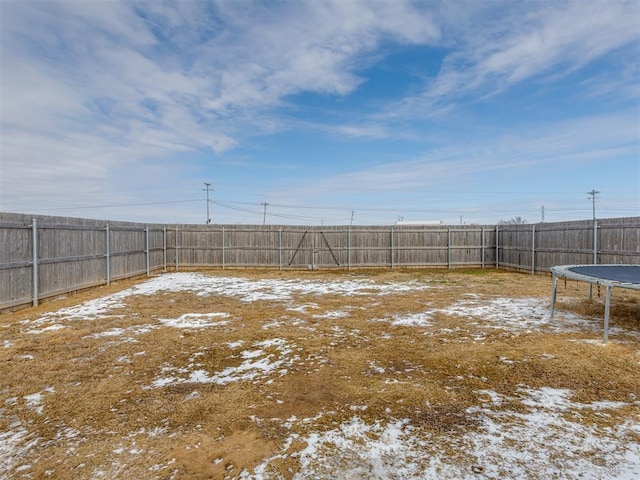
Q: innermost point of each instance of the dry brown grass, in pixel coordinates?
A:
(100, 401)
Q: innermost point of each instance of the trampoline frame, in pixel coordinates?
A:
(566, 272)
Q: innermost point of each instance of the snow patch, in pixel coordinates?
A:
(34, 400)
(520, 315)
(256, 364)
(50, 328)
(15, 443)
(332, 314)
(538, 444)
(422, 319)
(195, 320)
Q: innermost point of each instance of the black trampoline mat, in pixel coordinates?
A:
(616, 273)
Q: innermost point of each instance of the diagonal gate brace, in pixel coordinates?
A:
(329, 247)
(298, 247)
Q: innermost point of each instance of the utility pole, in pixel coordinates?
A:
(592, 195)
(264, 215)
(542, 221)
(352, 214)
(460, 219)
(207, 189)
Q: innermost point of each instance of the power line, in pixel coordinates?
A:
(278, 215)
(117, 205)
(533, 209)
(346, 213)
(402, 208)
(236, 206)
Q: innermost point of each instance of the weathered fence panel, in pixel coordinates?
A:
(16, 254)
(70, 253)
(371, 246)
(540, 246)
(619, 242)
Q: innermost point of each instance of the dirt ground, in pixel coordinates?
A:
(361, 374)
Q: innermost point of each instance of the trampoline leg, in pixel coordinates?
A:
(553, 294)
(606, 314)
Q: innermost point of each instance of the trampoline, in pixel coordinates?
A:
(609, 276)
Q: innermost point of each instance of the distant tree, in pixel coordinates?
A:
(513, 221)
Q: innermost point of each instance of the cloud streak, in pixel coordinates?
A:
(556, 146)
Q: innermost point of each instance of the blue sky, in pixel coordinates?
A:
(327, 111)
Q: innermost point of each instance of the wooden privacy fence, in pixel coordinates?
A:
(50, 256)
(538, 247)
(41, 256)
(330, 247)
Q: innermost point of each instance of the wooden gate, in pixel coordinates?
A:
(315, 250)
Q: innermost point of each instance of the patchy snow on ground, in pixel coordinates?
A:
(355, 450)
(128, 332)
(50, 328)
(525, 315)
(15, 443)
(256, 364)
(422, 319)
(195, 320)
(536, 441)
(332, 314)
(543, 441)
(515, 314)
(277, 290)
(267, 289)
(537, 444)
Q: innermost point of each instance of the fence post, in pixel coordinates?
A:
(177, 248)
(391, 247)
(223, 247)
(482, 247)
(349, 248)
(312, 250)
(164, 248)
(497, 249)
(280, 249)
(448, 247)
(108, 252)
(595, 242)
(34, 237)
(146, 247)
(533, 249)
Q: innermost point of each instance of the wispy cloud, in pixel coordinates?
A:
(128, 99)
(498, 46)
(549, 148)
(100, 84)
